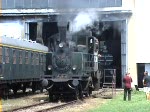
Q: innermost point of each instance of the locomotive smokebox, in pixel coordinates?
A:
(75, 82)
(44, 82)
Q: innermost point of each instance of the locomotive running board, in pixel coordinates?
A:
(70, 86)
(50, 87)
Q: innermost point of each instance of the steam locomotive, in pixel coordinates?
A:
(72, 68)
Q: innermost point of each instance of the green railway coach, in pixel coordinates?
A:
(22, 63)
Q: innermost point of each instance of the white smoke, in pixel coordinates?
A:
(82, 20)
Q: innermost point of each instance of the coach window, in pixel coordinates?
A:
(14, 56)
(41, 60)
(20, 56)
(81, 40)
(26, 58)
(44, 62)
(0, 54)
(7, 55)
(31, 58)
(37, 59)
(96, 47)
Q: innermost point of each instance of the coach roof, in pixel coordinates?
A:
(22, 44)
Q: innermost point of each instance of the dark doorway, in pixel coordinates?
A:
(112, 38)
(109, 32)
(140, 71)
(33, 30)
(49, 29)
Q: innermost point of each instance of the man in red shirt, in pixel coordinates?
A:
(127, 80)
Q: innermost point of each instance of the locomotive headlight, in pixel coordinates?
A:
(74, 67)
(1, 77)
(61, 45)
(49, 67)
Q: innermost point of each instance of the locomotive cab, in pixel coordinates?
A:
(93, 48)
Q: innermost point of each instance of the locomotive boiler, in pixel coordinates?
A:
(72, 65)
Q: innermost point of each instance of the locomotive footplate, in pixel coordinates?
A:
(62, 88)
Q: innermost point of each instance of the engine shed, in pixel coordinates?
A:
(112, 23)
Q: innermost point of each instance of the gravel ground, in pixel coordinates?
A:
(86, 105)
(23, 101)
(33, 99)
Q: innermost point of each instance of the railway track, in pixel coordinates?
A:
(44, 107)
(25, 107)
(55, 108)
(50, 106)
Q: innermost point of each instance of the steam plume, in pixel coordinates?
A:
(82, 20)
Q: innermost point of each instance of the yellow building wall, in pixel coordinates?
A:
(131, 49)
(131, 41)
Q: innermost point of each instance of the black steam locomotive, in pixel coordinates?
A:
(72, 66)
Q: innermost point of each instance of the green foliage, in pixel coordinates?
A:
(138, 103)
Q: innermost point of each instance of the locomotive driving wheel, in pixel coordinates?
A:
(50, 97)
(78, 92)
(88, 91)
(4, 91)
(24, 88)
(15, 91)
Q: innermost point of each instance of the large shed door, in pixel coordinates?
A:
(123, 47)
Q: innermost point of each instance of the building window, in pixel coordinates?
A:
(27, 30)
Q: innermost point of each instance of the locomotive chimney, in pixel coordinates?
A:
(62, 27)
